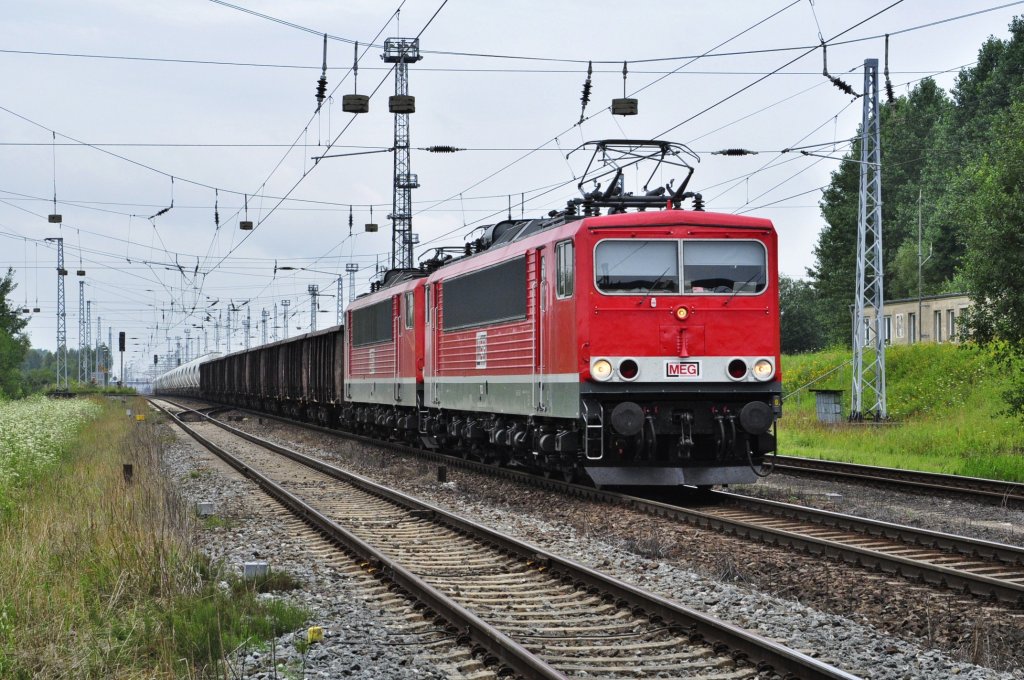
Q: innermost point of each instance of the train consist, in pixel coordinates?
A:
(632, 348)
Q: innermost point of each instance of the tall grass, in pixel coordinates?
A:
(98, 577)
(945, 405)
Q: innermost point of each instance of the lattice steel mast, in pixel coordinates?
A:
(401, 52)
(868, 396)
(81, 331)
(314, 292)
(62, 330)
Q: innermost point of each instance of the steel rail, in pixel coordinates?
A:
(987, 490)
(763, 653)
(934, 574)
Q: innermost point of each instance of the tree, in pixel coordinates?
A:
(990, 200)
(13, 342)
(801, 327)
(910, 131)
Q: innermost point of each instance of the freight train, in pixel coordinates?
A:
(631, 348)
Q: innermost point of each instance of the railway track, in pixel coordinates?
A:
(986, 569)
(535, 613)
(985, 490)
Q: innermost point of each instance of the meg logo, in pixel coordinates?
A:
(682, 369)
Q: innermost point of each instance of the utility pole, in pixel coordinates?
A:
(110, 353)
(188, 345)
(284, 316)
(314, 291)
(62, 330)
(228, 332)
(351, 268)
(263, 321)
(920, 272)
(274, 328)
(868, 396)
(401, 52)
(216, 331)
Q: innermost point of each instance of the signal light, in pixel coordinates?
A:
(682, 313)
(737, 369)
(628, 369)
(120, 341)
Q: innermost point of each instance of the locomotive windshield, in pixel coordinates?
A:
(724, 267)
(653, 267)
(637, 266)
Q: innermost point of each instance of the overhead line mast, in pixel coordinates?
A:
(62, 331)
(868, 398)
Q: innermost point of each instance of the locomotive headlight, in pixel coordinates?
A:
(682, 313)
(601, 370)
(763, 369)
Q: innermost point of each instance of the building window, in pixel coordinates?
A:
(951, 325)
(426, 303)
(564, 269)
(888, 329)
(410, 306)
(938, 326)
(899, 326)
(912, 322)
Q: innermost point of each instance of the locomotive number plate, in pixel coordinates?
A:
(684, 370)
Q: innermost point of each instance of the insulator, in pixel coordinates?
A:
(734, 152)
(585, 97)
(842, 86)
(443, 148)
(698, 203)
(321, 90)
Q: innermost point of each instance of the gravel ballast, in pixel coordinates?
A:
(869, 624)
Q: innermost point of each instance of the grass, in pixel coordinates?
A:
(98, 578)
(945, 405)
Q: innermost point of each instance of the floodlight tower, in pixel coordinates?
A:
(351, 268)
(62, 329)
(868, 396)
(401, 52)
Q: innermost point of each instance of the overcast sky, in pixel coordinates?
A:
(245, 125)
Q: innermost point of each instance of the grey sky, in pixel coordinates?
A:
(474, 102)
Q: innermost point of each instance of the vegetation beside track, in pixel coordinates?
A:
(98, 577)
(945, 404)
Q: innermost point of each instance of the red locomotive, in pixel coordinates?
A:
(634, 348)
(639, 348)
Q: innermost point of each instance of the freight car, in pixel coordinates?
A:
(630, 348)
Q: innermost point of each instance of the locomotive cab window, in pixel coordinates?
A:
(409, 308)
(565, 269)
(637, 267)
(724, 267)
